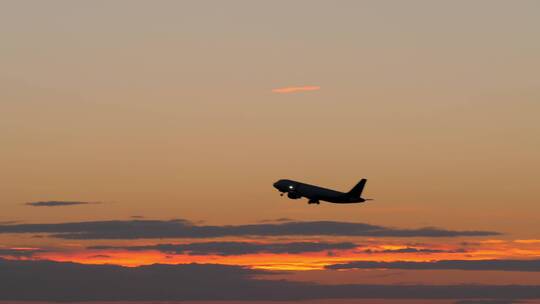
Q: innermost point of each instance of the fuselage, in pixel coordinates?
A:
(296, 190)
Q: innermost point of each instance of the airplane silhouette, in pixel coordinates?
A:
(314, 194)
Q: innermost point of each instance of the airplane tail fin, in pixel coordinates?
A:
(356, 191)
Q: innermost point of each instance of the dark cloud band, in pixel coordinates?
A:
(414, 250)
(19, 253)
(64, 282)
(58, 203)
(500, 265)
(138, 229)
(237, 248)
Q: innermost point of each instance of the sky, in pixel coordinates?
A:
(136, 133)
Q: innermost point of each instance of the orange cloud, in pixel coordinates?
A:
(286, 90)
(276, 261)
(527, 241)
(380, 250)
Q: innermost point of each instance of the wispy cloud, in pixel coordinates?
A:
(286, 90)
(500, 265)
(19, 252)
(8, 222)
(59, 203)
(413, 250)
(281, 219)
(533, 241)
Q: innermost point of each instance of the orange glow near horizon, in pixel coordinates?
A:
(377, 251)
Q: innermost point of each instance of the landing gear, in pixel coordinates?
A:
(312, 201)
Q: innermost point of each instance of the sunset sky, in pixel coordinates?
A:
(135, 133)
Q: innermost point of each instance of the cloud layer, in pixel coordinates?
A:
(138, 229)
(19, 252)
(58, 203)
(500, 265)
(488, 302)
(413, 250)
(76, 282)
(237, 248)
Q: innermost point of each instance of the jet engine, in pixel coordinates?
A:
(293, 195)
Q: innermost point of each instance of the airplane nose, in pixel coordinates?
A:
(279, 185)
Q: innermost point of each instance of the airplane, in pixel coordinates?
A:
(314, 194)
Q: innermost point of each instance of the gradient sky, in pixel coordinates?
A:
(192, 109)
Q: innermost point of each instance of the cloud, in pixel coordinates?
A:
(58, 203)
(8, 222)
(236, 248)
(500, 265)
(138, 229)
(100, 256)
(527, 241)
(488, 301)
(19, 252)
(281, 219)
(286, 90)
(414, 250)
(24, 281)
